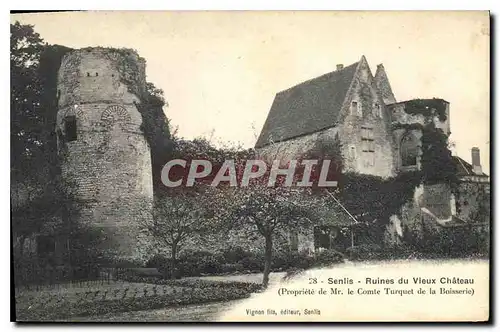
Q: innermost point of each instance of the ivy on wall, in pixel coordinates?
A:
(437, 163)
(372, 198)
(427, 108)
(407, 126)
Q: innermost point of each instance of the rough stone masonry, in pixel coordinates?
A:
(102, 146)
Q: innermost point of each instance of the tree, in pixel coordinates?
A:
(26, 120)
(178, 219)
(182, 213)
(258, 208)
(267, 209)
(34, 67)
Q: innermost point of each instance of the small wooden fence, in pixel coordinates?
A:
(33, 276)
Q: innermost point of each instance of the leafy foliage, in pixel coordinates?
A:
(427, 107)
(27, 134)
(34, 159)
(407, 126)
(483, 209)
(267, 210)
(156, 129)
(181, 218)
(372, 198)
(258, 208)
(437, 162)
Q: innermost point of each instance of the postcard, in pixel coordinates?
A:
(250, 166)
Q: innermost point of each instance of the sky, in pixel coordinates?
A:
(220, 71)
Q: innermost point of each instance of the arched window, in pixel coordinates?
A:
(409, 150)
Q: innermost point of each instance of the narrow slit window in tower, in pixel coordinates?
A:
(70, 128)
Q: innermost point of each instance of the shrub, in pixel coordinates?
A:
(328, 257)
(157, 261)
(254, 263)
(196, 263)
(286, 260)
(235, 254)
(232, 267)
(364, 252)
(189, 264)
(302, 260)
(163, 264)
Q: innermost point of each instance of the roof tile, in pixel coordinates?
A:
(307, 107)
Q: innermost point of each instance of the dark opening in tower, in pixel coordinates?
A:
(70, 128)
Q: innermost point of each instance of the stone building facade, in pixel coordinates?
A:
(102, 147)
(377, 134)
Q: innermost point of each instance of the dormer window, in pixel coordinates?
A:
(356, 108)
(378, 110)
(70, 128)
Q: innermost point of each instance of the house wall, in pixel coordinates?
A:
(387, 131)
(363, 91)
(297, 147)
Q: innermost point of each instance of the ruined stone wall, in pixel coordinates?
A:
(397, 135)
(110, 160)
(437, 198)
(473, 201)
(403, 123)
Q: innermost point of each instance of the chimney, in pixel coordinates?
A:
(340, 67)
(476, 161)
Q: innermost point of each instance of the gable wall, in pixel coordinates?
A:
(364, 92)
(383, 85)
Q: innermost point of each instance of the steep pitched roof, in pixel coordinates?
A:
(383, 85)
(464, 168)
(307, 107)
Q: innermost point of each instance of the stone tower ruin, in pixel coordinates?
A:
(102, 147)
